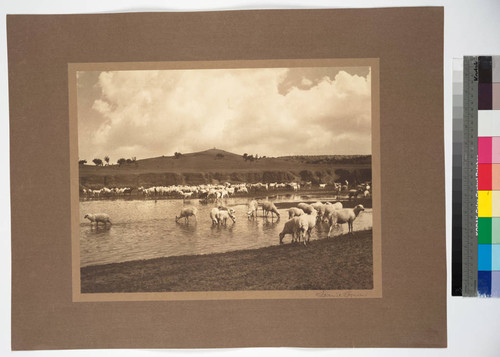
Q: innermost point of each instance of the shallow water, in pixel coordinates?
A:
(145, 229)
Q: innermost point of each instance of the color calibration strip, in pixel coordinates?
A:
(456, 246)
(488, 177)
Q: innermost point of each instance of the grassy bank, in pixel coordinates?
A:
(342, 262)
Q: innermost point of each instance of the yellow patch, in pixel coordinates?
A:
(484, 203)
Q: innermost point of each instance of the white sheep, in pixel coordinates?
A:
(291, 227)
(294, 211)
(243, 190)
(346, 215)
(305, 207)
(223, 215)
(306, 223)
(319, 207)
(213, 215)
(252, 209)
(187, 212)
(269, 207)
(329, 208)
(98, 217)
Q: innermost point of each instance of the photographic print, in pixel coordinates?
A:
(121, 124)
(227, 180)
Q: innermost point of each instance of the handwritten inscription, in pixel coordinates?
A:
(340, 294)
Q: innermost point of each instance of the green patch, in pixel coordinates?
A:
(484, 230)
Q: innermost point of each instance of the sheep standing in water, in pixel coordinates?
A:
(223, 216)
(291, 227)
(295, 212)
(269, 207)
(223, 208)
(252, 209)
(306, 207)
(347, 215)
(98, 217)
(213, 215)
(187, 212)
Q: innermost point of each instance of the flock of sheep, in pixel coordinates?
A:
(301, 219)
(208, 192)
(204, 191)
(304, 218)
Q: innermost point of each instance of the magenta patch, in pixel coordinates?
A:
(484, 150)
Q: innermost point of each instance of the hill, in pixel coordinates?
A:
(215, 165)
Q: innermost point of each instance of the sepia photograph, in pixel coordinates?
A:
(237, 179)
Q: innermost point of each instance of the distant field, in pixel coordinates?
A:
(212, 166)
(336, 263)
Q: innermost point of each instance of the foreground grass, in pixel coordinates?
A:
(337, 263)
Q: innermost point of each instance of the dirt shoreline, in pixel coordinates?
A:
(336, 263)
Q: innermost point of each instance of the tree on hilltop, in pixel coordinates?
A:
(97, 162)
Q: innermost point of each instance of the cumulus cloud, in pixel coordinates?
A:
(154, 113)
(306, 82)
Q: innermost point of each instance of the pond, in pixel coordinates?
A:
(146, 229)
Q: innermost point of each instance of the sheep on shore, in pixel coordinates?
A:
(98, 217)
(319, 207)
(306, 224)
(187, 212)
(291, 227)
(252, 209)
(295, 212)
(242, 190)
(328, 209)
(269, 207)
(346, 215)
(223, 216)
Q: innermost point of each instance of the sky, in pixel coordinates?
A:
(264, 111)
